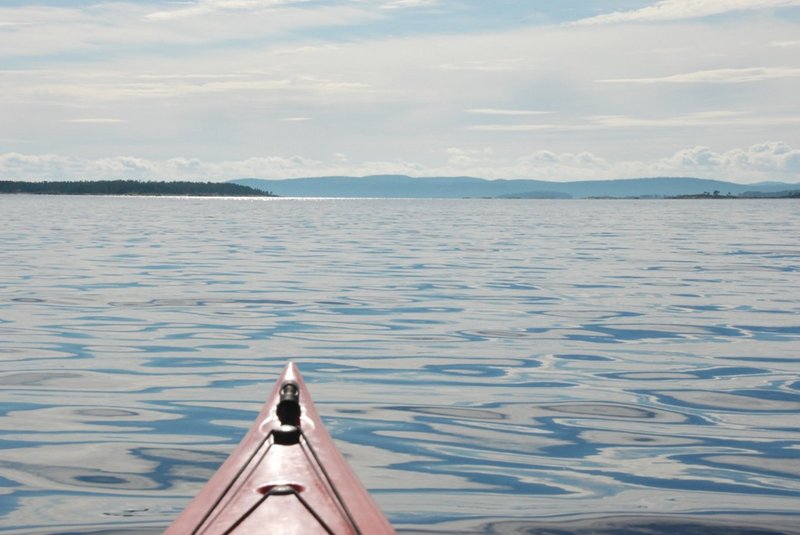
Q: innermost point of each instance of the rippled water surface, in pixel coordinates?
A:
(490, 366)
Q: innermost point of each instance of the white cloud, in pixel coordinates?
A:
(96, 120)
(17, 166)
(185, 167)
(494, 65)
(786, 44)
(530, 127)
(764, 158)
(107, 87)
(401, 4)
(122, 167)
(195, 76)
(469, 157)
(696, 120)
(207, 7)
(498, 111)
(716, 76)
(760, 162)
(707, 118)
(686, 9)
(564, 160)
(115, 30)
(269, 166)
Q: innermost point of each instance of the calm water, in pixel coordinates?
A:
(486, 366)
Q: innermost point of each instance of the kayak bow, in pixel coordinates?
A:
(286, 476)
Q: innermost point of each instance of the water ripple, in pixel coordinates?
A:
(485, 366)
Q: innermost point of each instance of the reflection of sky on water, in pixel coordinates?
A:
(486, 365)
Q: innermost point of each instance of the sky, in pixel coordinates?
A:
(544, 89)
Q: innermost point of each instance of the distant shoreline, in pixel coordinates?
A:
(793, 195)
(132, 188)
(779, 195)
(136, 188)
(442, 187)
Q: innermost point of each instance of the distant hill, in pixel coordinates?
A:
(457, 187)
(132, 187)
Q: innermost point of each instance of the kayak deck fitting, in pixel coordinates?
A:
(285, 477)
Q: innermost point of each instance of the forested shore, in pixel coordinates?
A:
(132, 187)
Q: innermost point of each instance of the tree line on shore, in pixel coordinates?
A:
(746, 195)
(132, 187)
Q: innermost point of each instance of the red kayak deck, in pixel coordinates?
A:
(285, 477)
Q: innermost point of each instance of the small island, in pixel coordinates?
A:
(132, 187)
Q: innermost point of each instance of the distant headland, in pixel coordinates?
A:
(401, 186)
(471, 187)
(133, 187)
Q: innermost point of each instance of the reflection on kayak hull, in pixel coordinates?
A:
(286, 476)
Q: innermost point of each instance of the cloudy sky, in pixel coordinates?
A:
(558, 90)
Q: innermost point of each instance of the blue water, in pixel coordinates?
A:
(487, 366)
